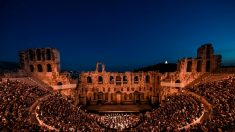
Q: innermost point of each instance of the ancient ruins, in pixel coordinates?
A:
(104, 87)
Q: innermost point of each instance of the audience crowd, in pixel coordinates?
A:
(176, 112)
(15, 99)
(58, 113)
(221, 94)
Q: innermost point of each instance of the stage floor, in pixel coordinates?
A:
(118, 108)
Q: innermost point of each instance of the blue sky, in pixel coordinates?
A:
(124, 34)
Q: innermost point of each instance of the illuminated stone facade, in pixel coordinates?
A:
(104, 87)
(44, 64)
(190, 69)
(206, 61)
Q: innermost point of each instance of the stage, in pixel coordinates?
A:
(118, 108)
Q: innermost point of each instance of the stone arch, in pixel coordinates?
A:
(125, 80)
(49, 69)
(106, 96)
(208, 66)
(125, 96)
(118, 80)
(177, 81)
(95, 96)
(189, 66)
(89, 79)
(48, 54)
(100, 67)
(38, 53)
(31, 67)
(100, 95)
(130, 96)
(31, 54)
(136, 79)
(40, 68)
(147, 79)
(199, 66)
(59, 83)
(111, 80)
(100, 79)
(112, 96)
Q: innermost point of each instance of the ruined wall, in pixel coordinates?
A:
(44, 64)
(106, 87)
(189, 69)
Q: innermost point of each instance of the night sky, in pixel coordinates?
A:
(124, 34)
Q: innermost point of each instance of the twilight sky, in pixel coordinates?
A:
(124, 34)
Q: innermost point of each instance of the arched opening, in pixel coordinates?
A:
(49, 69)
(31, 55)
(189, 66)
(125, 96)
(208, 66)
(31, 67)
(136, 79)
(137, 97)
(177, 81)
(106, 96)
(111, 80)
(100, 96)
(38, 52)
(112, 96)
(89, 79)
(147, 79)
(100, 79)
(124, 79)
(95, 95)
(118, 80)
(59, 83)
(130, 96)
(40, 68)
(48, 54)
(199, 66)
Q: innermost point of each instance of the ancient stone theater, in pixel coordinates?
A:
(104, 87)
(198, 95)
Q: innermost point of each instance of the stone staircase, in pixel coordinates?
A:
(39, 83)
(209, 77)
(30, 81)
(198, 80)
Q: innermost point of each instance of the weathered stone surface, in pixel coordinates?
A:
(43, 63)
(104, 87)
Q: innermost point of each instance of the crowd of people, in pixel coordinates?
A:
(176, 112)
(221, 94)
(119, 121)
(58, 113)
(15, 99)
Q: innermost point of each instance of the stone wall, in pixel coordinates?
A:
(106, 87)
(44, 64)
(189, 69)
